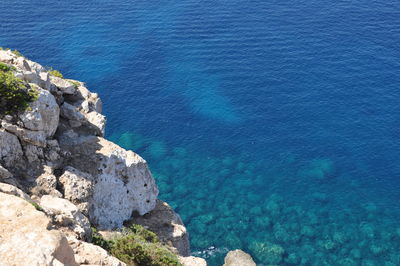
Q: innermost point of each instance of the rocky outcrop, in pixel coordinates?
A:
(60, 128)
(168, 226)
(25, 237)
(238, 258)
(54, 158)
(66, 214)
(192, 261)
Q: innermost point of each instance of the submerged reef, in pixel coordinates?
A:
(283, 211)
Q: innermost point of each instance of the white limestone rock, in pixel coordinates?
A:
(64, 213)
(192, 261)
(238, 258)
(7, 56)
(37, 138)
(65, 86)
(25, 238)
(12, 190)
(78, 188)
(123, 182)
(11, 150)
(43, 114)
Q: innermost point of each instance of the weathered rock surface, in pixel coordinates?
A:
(43, 114)
(37, 138)
(168, 226)
(11, 150)
(65, 86)
(55, 150)
(4, 173)
(123, 182)
(192, 261)
(238, 258)
(66, 214)
(12, 190)
(25, 238)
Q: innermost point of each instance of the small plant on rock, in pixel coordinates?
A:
(137, 246)
(55, 73)
(15, 95)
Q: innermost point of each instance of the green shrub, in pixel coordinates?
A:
(14, 94)
(55, 73)
(5, 67)
(137, 246)
(98, 240)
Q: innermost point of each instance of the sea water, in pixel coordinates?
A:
(270, 126)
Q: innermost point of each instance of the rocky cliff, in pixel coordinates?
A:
(60, 177)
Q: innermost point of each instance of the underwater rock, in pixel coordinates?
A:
(267, 252)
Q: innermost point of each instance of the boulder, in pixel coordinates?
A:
(43, 114)
(192, 261)
(25, 237)
(168, 226)
(123, 183)
(11, 150)
(238, 258)
(66, 214)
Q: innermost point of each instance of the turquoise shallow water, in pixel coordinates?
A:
(270, 126)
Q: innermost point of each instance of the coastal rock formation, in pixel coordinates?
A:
(238, 258)
(59, 177)
(168, 226)
(62, 126)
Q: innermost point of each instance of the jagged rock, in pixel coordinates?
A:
(123, 182)
(78, 188)
(11, 150)
(168, 226)
(66, 214)
(46, 183)
(25, 239)
(89, 254)
(12, 190)
(76, 118)
(37, 138)
(71, 112)
(7, 56)
(43, 114)
(63, 85)
(192, 261)
(97, 120)
(4, 173)
(238, 258)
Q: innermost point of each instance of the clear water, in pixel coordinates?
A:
(270, 126)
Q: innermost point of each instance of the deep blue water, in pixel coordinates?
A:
(271, 126)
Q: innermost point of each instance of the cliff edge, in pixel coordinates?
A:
(59, 176)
